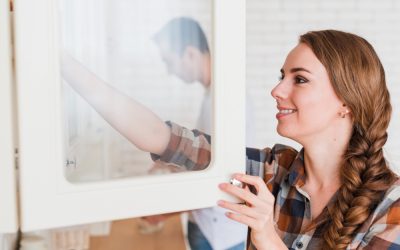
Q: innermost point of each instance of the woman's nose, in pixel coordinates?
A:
(280, 91)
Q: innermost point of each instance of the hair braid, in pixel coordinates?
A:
(359, 79)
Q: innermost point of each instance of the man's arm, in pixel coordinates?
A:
(134, 121)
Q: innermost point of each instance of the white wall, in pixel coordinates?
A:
(273, 28)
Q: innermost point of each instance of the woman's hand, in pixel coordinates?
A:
(257, 212)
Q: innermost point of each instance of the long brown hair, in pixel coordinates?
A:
(358, 78)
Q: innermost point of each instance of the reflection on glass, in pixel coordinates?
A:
(155, 52)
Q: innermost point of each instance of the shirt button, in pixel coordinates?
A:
(299, 244)
(215, 219)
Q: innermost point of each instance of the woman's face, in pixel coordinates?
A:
(308, 106)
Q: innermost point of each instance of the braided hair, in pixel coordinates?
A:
(358, 78)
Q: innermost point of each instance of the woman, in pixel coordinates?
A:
(338, 191)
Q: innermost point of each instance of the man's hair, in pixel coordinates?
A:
(181, 32)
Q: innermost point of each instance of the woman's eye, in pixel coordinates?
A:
(300, 80)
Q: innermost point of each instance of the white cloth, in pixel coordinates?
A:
(220, 231)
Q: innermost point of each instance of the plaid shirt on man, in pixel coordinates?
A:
(283, 171)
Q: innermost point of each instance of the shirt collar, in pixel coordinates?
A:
(297, 178)
(297, 175)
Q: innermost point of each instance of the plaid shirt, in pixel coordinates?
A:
(283, 171)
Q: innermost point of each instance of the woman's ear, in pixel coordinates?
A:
(344, 111)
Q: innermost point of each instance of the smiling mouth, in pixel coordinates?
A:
(285, 112)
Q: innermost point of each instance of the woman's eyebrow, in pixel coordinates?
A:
(296, 70)
(299, 69)
(293, 70)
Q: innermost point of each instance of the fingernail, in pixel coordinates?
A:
(221, 185)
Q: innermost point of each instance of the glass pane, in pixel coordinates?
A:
(156, 52)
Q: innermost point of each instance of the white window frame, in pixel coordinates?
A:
(8, 210)
(47, 199)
